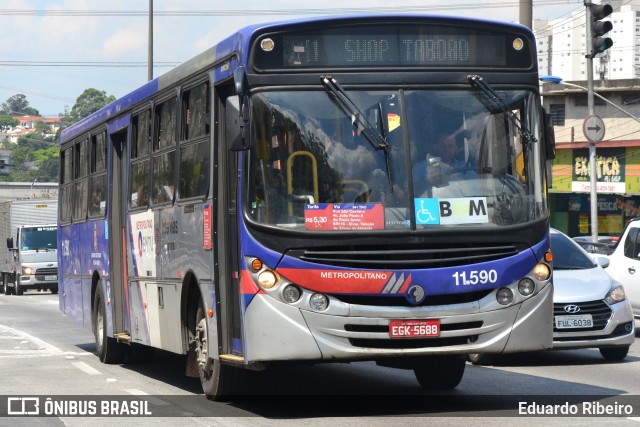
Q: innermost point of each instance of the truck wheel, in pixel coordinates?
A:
(440, 372)
(54, 290)
(216, 379)
(109, 350)
(18, 289)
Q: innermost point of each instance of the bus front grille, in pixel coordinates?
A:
(405, 256)
(400, 343)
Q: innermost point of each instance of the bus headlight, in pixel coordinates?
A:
(526, 287)
(504, 296)
(541, 272)
(27, 271)
(291, 294)
(318, 302)
(267, 279)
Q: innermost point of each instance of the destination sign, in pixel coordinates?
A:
(392, 46)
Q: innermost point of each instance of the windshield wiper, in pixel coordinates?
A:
(376, 137)
(492, 96)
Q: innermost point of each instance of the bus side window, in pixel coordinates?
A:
(81, 187)
(164, 175)
(139, 178)
(98, 180)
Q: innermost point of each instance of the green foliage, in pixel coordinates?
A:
(7, 122)
(90, 101)
(18, 104)
(37, 155)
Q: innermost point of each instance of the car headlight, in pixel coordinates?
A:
(27, 270)
(616, 294)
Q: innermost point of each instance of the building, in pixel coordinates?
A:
(28, 190)
(562, 45)
(618, 156)
(27, 126)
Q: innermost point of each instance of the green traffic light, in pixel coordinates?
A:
(599, 28)
(600, 44)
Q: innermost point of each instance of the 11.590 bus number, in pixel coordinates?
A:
(475, 277)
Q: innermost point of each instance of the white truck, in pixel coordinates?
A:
(30, 258)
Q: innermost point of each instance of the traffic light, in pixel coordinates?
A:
(599, 28)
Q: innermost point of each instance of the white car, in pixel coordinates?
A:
(624, 263)
(590, 308)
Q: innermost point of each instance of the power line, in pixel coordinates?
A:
(250, 12)
(120, 64)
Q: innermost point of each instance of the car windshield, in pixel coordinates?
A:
(567, 254)
(380, 160)
(38, 238)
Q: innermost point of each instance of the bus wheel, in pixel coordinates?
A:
(216, 379)
(440, 372)
(108, 349)
(5, 288)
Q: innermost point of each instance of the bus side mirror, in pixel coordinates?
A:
(549, 137)
(9, 242)
(236, 124)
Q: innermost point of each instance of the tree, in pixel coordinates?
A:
(7, 122)
(90, 101)
(18, 104)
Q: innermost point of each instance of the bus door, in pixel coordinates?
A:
(118, 135)
(227, 245)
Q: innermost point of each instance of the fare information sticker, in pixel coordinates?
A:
(344, 216)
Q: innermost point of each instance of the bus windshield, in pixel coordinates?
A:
(395, 159)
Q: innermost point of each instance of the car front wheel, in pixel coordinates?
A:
(614, 353)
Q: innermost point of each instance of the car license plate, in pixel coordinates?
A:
(50, 278)
(574, 321)
(422, 328)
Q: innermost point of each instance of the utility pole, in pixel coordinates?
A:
(150, 48)
(595, 29)
(525, 18)
(592, 145)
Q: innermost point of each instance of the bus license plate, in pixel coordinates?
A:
(50, 278)
(424, 328)
(574, 321)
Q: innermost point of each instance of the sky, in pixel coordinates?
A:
(52, 50)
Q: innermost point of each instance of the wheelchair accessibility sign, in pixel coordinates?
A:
(461, 210)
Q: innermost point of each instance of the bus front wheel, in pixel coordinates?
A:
(109, 350)
(440, 372)
(216, 378)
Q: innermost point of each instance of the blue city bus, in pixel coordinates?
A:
(323, 190)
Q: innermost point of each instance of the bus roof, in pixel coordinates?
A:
(239, 43)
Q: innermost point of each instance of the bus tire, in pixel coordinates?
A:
(216, 378)
(440, 372)
(108, 349)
